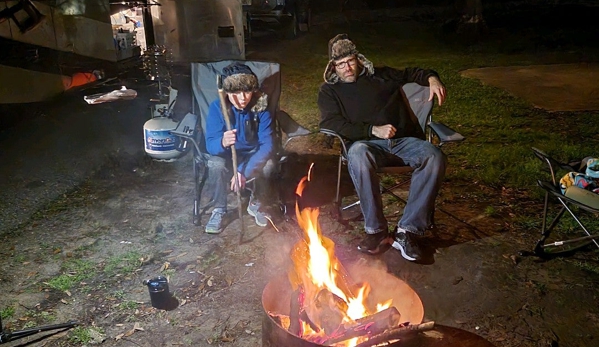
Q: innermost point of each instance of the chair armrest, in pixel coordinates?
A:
(445, 133)
(289, 126)
(332, 133)
(186, 127)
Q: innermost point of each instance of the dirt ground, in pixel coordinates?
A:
(98, 212)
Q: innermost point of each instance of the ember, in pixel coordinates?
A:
(327, 306)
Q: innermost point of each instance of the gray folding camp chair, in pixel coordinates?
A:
(417, 97)
(574, 200)
(204, 91)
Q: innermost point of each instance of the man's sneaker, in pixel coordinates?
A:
(254, 211)
(215, 224)
(405, 243)
(375, 243)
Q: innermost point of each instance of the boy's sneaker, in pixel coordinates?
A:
(254, 211)
(405, 243)
(375, 243)
(215, 224)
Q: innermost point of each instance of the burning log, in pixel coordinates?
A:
(397, 333)
(298, 313)
(296, 308)
(373, 325)
(328, 311)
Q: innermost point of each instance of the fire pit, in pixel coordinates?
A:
(321, 303)
(277, 296)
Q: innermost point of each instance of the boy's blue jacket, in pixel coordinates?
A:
(261, 149)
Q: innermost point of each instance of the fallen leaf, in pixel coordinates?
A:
(68, 292)
(64, 301)
(137, 327)
(165, 266)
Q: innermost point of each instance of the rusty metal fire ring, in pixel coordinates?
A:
(277, 294)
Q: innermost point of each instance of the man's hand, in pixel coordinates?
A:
(229, 138)
(383, 131)
(437, 88)
(241, 182)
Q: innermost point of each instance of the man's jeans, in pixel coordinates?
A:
(428, 162)
(220, 173)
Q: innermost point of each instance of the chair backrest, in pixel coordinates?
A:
(417, 97)
(203, 83)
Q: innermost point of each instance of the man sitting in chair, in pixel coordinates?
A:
(364, 105)
(253, 137)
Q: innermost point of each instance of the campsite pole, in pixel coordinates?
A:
(225, 112)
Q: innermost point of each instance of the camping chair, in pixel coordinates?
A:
(417, 97)
(204, 91)
(573, 200)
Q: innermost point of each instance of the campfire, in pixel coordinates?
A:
(322, 303)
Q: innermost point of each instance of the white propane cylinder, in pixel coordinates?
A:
(160, 144)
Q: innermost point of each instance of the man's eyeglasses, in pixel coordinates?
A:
(342, 65)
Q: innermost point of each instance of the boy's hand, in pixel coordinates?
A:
(241, 182)
(229, 138)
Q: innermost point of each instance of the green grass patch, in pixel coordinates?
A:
(128, 305)
(84, 335)
(7, 312)
(75, 271)
(123, 263)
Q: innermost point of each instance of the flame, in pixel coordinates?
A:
(317, 270)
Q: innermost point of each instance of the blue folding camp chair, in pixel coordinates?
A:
(204, 91)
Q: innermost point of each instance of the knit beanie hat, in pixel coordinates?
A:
(340, 47)
(238, 77)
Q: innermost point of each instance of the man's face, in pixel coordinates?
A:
(347, 69)
(240, 99)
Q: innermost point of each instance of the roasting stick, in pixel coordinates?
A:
(225, 112)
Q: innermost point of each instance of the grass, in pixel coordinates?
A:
(7, 312)
(75, 271)
(84, 335)
(123, 263)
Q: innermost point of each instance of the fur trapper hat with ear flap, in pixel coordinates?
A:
(238, 77)
(340, 47)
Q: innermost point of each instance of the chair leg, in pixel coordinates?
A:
(200, 176)
(561, 247)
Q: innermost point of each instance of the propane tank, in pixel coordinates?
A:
(160, 144)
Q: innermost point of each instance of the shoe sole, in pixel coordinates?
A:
(251, 213)
(213, 231)
(382, 247)
(398, 247)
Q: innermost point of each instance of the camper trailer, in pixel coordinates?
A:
(49, 47)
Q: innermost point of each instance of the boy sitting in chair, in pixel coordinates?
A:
(252, 135)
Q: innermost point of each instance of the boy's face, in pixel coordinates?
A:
(240, 99)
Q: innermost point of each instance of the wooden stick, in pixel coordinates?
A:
(226, 116)
(296, 308)
(396, 333)
(373, 325)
